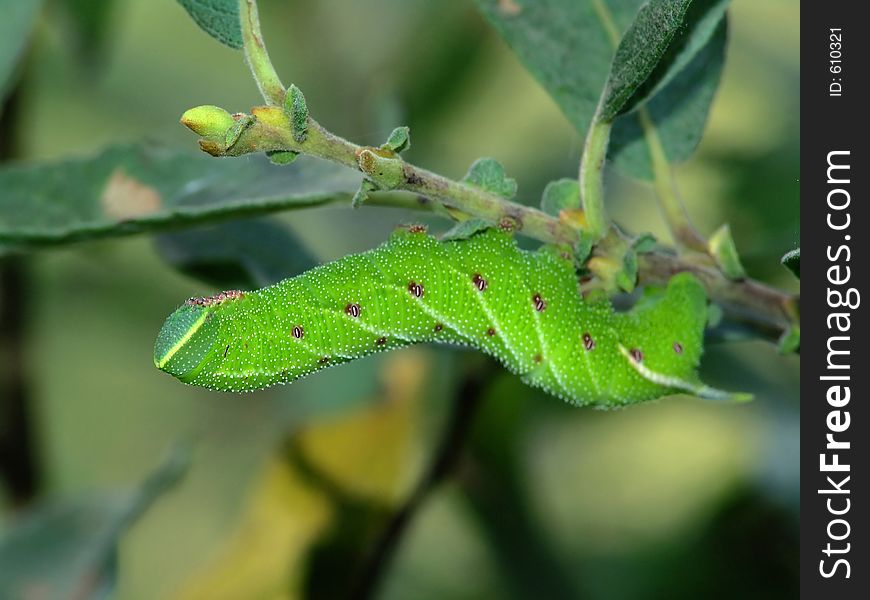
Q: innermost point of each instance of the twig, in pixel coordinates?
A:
(768, 310)
(465, 405)
(271, 132)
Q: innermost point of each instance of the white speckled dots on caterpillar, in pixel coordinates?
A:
(523, 308)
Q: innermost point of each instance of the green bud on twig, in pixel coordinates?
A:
(626, 278)
(208, 121)
(297, 110)
(560, 195)
(583, 248)
(399, 140)
(488, 174)
(722, 249)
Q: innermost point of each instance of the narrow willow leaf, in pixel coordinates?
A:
(642, 48)
(489, 174)
(133, 188)
(524, 308)
(218, 18)
(700, 24)
(560, 195)
(17, 18)
(567, 47)
(679, 111)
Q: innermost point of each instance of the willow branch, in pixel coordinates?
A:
(768, 311)
(271, 131)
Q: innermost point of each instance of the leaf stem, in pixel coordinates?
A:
(258, 58)
(663, 180)
(592, 176)
(270, 133)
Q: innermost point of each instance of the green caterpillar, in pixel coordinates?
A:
(524, 308)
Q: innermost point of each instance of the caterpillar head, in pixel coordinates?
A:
(188, 336)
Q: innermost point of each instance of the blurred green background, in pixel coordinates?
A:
(676, 499)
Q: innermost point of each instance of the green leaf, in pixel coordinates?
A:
(640, 51)
(71, 545)
(133, 188)
(218, 18)
(679, 111)
(297, 109)
(700, 24)
(790, 341)
(17, 18)
(560, 195)
(792, 262)
(489, 174)
(465, 230)
(399, 140)
(241, 254)
(566, 46)
(362, 194)
(723, 249)
(583, 248)
(281, 157)
(644, 243)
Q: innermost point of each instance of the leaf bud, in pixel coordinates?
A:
(207, 120)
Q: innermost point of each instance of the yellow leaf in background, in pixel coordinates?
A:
(329, 480)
